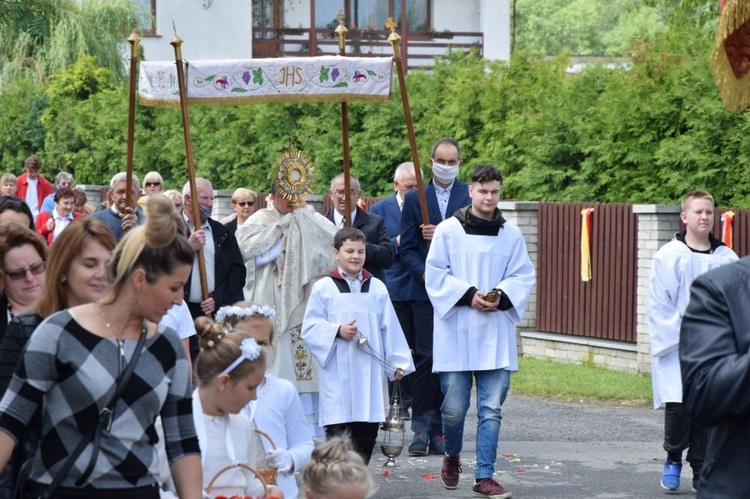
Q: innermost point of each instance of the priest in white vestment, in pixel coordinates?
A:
(286, 248)
(479, 277)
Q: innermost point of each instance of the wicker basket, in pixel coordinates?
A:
(239, 465)
(268, 474)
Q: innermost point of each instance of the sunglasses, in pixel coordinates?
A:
(245, 203)
(153, 184)
(17, 275)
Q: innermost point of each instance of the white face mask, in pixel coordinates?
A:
(443, 173)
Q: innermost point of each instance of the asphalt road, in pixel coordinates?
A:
(550, 450)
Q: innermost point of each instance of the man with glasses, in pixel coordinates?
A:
(119, 217)
(32, 186)
(379, 252)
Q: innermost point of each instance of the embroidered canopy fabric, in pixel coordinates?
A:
(730, 58)
(311, 79)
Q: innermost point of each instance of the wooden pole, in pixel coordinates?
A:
(182, 85)
(133, 40)
(395, 41)
(341, 32)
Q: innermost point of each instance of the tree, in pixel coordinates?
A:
(40, 37)
(586, 27)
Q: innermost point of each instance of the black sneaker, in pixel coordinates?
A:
(418, 446)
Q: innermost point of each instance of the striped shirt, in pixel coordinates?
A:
(73, 372)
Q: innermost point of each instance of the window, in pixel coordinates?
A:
(146, 16)
(372, 14)
(417, 14)
(266, 18)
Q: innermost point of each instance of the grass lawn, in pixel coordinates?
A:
(579, 383)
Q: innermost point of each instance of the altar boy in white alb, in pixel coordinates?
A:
(344, 308)
(478, 277)
(691, 253)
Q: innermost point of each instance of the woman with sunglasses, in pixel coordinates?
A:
(243, 202)
(152, 184)
(73, 362)
(23, 257)
(77, 274)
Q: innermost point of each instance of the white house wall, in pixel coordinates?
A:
(494, 22)
(223, 31)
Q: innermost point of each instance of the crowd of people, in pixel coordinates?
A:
(148, 350)
(125, 318)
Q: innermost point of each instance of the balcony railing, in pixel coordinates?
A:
(418, 49)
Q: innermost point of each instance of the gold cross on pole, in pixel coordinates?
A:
(391, 24)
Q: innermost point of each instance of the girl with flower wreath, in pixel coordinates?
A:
(277, 409)
(228, 371)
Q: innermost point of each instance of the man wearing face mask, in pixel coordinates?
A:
(225, 269)
(445, 195)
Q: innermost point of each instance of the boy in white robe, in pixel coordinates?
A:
(344, 308)
(676, 264)
(478, 277)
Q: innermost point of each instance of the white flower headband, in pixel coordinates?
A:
(227, 312)
(249, 350)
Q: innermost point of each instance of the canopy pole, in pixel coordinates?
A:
(341, 32)
(395, 40)
(133, 40)
(182, 85)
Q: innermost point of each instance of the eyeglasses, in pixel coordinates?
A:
(340, 194)
(153, 184)
(36, 269)
(245, 203)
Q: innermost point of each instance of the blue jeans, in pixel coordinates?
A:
(492, 388)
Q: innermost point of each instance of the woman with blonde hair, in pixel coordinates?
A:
(98, 430)
(243, 203)
(152, 184)
(176, 197)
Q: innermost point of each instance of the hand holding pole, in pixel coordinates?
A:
(395, 40)
(182, 85)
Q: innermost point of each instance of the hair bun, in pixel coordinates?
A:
(209, 332)
(337, 450)
(163, 223)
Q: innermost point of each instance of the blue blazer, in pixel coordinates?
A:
(397, 277)
(413, 246)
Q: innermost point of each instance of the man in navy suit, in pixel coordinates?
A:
(445, 195)
(397, 277)
(378, 247)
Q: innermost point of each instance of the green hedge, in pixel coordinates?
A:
(647, 132)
